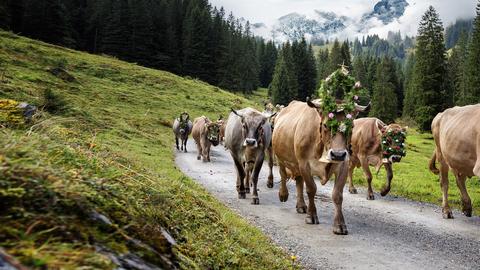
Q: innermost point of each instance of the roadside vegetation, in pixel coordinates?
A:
(92, 181)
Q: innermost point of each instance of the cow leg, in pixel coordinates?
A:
(368, 175)
(339, 226)
(248, 172)
(351, 187)
(312, 217)
(199, 150)
(270, 166)
(466, 202)
(301, 206)
(208, 151)
(176, 142)
(256, 172)
(240, 178)
(204, 150)
(447, 213)
(386, 189)
(283, 191)
(185, 144)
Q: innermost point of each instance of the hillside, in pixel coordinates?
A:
(92, 182)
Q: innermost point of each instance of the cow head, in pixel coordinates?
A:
(213, 133)
(184, 117)
(252, 127)
(393, 143)
(335, 129)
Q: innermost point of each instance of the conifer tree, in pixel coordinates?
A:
(267, 59)
(472, 69)
(430, 70)
(323, 65)
(457, 76)
(346, 58)
(384, 99)
(359, 69)
(116, 35)
(336, 57)
(284, 85)
(409, 103)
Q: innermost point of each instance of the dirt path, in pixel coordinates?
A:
(388, 233)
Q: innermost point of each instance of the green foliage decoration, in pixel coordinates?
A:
(340, 92)
(393, 143)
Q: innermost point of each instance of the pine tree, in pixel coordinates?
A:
(359, 69)
(195, 39)
(268, 59)
(116, 34)
(409, 103)
(48, 20)
(472, 69)
(304, 62)
(430, 70)
(384, 99)
(5, 18)
(346, 58)
(323, 65)
(456, 71)
(284, 85)
(336, 57)
(141, 41)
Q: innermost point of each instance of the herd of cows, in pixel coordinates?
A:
(304, 144)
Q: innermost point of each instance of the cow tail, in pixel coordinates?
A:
(431, 165)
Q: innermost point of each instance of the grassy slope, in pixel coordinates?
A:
(412, 178)
(110, 151)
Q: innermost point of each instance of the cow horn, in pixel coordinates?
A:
(313, 104)
(236, 113)
(362, 108)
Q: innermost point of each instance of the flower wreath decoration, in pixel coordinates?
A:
(340, 92)
(393, 143)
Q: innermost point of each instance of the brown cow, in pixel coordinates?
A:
(304, 145)
(221, 124)
(457, 147)
(205, 133)
(366, 149)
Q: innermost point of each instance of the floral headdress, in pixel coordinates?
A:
(339, 92)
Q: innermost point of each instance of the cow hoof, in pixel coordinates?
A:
(270, 184)
(185, 150)
(283, 197)
(198, 158)
(302, 210)
(370, 197)
(247, 190)
(447, 214)
(309, 219)
(353, 191)
(241, 195)
(467, 213)
(340, 229)
(255, 201)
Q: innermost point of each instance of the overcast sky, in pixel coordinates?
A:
(267, 11)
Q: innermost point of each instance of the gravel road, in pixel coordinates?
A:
(388, 233)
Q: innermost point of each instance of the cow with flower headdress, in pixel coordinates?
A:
(312, 138)
(375, 144)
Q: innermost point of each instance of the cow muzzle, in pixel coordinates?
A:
(250, 142)
(395, 158)
(335, 155)
(182, 131)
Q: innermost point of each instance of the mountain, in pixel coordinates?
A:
(387, 11)
(326, 24)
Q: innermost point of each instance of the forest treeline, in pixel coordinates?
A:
(186, 37)
(414, 77)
